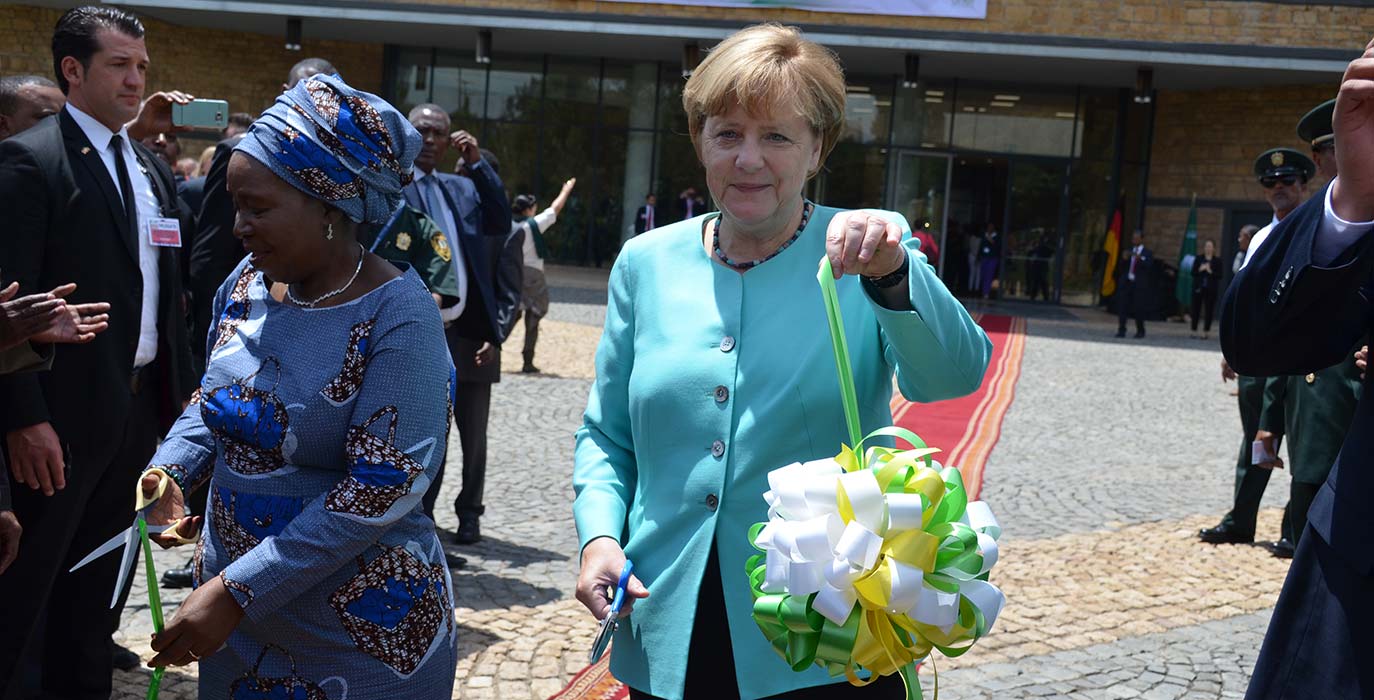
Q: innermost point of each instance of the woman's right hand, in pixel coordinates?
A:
(1362, 359)
(167, 509)
(602, 561)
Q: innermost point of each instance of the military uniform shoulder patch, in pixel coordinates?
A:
(403, 241)
(440, 244)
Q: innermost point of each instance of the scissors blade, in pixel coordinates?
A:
(603, 638)
(130, 548)
(109, 546)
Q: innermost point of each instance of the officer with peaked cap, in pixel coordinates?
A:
(1319, 406)
(1283, 173)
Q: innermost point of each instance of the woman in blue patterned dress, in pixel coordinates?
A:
(320, 422)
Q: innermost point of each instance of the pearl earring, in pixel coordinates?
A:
(329, 236)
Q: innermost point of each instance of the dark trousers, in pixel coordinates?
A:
(711, 660)
(471, 408)
(531, 337)
(987, 271)
(1300, 497)
(1321, 637)
(1128, 303)
(1250, 479)
(1204, 302)
(62, 621)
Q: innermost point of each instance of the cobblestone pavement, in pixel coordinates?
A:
(1113, 455)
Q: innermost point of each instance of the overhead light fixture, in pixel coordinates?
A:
(856, 88)
(935, 93)
(1006, 98)
(293, 33)
(484, 46)
(982, 109)
(1065, 115)
(1144, 85)
(691, 58)
(912, 76)
(969, 109)
(1002, 104)
(935, 100)
(883, 103)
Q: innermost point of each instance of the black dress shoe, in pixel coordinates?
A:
(455, 562)
(469, 532)
(1121, 334)
(529, 369)
(1140, 334)
(178, 578)
(1222, 534)
(1282, 549)
(124, 659)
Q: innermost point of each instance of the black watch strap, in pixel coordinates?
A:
(889, 280)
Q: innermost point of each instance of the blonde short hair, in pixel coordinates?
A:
(767, 68)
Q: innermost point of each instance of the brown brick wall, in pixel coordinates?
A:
(1206, 142)
(1200, 21)
(245, 69)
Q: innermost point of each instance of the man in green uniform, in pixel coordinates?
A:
(1318, 407)
(413, 238)
(1283, 173)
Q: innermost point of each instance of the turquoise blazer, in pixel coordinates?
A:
(706, 380)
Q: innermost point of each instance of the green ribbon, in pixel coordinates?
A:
(154, 600)
(848, 396)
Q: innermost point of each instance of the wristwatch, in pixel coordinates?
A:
(889, 280)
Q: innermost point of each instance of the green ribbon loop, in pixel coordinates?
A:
(848, 396)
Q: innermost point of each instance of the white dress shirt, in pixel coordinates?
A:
(1258, 239)
(145, 201)
(436, 205)
(1135, 259)
(1335, 234)
(544, 220)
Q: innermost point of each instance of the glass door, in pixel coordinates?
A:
(917, 190)
(1030, 248)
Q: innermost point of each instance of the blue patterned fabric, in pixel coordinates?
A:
(319, 430)
(347, 147)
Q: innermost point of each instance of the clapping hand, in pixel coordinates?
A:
(1362, 360)
(25, 317)
(1352, 195)
(79, 324)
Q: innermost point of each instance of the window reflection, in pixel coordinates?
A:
(923, 115)
(1012, 120)
(514, 89)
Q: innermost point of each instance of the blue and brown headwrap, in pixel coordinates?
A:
(346, 147)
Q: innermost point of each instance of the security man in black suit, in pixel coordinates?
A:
(473, 210)
(1133, 285)
(88, 204)
(1299, 306)
(645, 219)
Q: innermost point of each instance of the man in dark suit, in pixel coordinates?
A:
(26, 100)
(690, 204)
(645, 218)
(87, 204)
(471, 211)
(1298, 306)
(1133, 285)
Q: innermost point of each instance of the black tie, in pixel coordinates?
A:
(125, 186)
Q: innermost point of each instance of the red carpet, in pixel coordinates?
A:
(966, 429)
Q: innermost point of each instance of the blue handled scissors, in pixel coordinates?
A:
(608, 625)
(130, 539)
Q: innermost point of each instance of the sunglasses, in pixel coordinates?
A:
(1271, 181)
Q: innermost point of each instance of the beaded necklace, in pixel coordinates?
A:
(807, 208)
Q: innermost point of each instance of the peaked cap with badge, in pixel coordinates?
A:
(1279, 162)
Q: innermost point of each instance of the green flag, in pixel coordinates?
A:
(1184, 289)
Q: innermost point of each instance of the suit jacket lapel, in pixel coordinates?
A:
(412, 195)
(80, 150)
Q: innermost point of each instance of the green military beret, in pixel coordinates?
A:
(1315, 126)
(1278, 162)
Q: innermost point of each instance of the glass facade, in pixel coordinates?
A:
(1045, 167)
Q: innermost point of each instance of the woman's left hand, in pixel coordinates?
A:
(860, 243)
(200, 626)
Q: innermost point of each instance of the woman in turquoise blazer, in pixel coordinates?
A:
(716, 367)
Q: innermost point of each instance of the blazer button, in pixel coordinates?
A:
(718, 449)
(712, 502)
(727, 343)
(722, 394)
